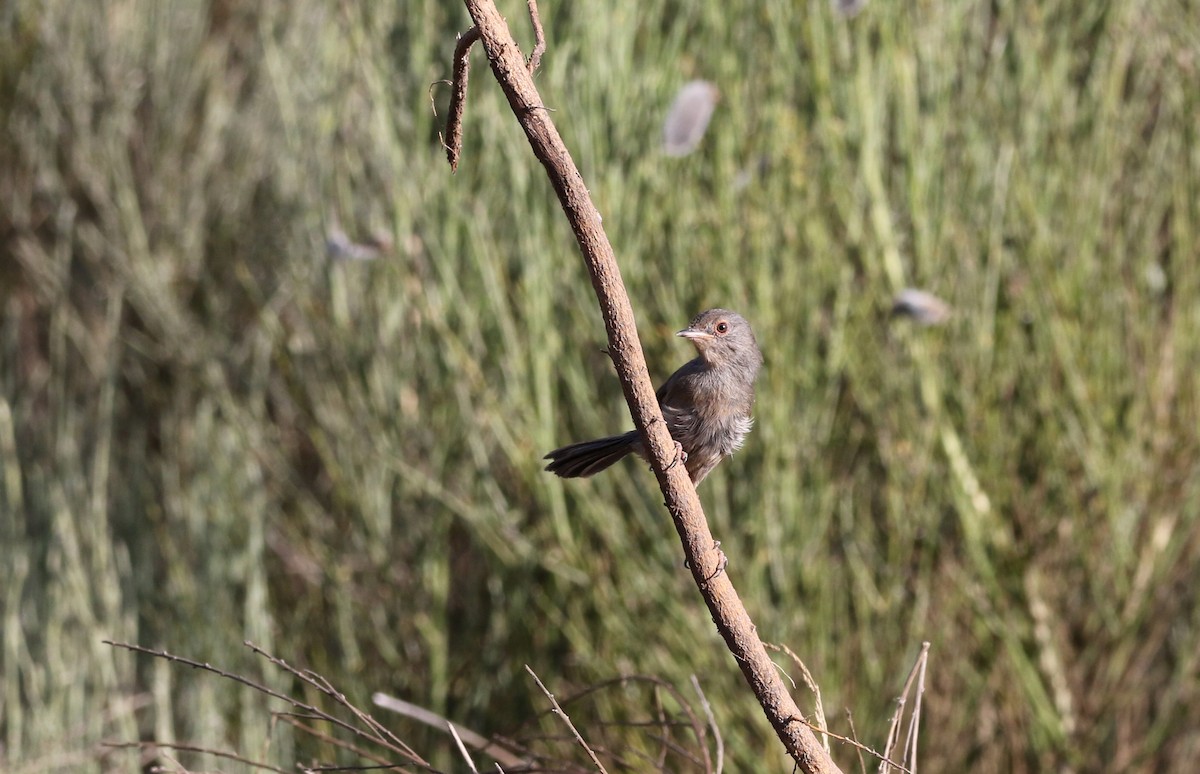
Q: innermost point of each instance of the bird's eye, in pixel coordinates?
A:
(722, 327)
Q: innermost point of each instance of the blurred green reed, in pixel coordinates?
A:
(210, 433)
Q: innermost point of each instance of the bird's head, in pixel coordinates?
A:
(722, 337)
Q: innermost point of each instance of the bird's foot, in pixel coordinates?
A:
(681, 456)
(722, 563)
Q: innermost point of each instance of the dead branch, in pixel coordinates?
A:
(728, 612)
(862, 765)
(490, 748)
(376, 733)
(462, 748)
(818, 705)
(893, 737)
(712, 723)
(914, 721)
(559, 711)
(885, 761)
(153, 745)
(539, 38)
(692, 723)
(293, 719)
(458, 96)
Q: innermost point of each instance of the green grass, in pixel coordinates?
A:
(208, 433)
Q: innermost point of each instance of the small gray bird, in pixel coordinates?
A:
(706, 403)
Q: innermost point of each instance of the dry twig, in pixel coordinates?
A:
(914, 721)
(458, 96)
(818, 705)
(862, 765)
(712, 723)
(918, 670)
(855, 744)
(375, 733)
(539, 37)
(378, 733)
(559, 711)
(153, 745)
(462, 748)
(293, 719)
(488, 747)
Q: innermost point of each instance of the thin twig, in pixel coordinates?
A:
(377, 767)
(782, 671)
(818, 705)
(914, 722)
(894, 729)
(381, 735)
(378, 734)
(559, 711)
(151, 745)
(481, 743)
(293, 720)
(853, 743)
(433, 102)
(658, 682)
(664, 750)
(462, 748)
(693, 721)
(539, 38)
(661, 723)
(671, 746)
(207, 668)
(235, 678)
(458, 96)
(712, 723)
(862, 764)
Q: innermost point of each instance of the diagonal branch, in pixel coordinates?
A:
(705, 561)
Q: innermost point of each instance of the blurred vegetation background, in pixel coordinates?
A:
(211, 432)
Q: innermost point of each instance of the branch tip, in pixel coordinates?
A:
(458, 96)
(539, 36)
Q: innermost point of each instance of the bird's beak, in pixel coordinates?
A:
(692, 333)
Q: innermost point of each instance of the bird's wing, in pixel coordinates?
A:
(678, 388)
(676, 397)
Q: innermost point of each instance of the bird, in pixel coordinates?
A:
(706, 403)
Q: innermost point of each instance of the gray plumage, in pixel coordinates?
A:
(706, 403)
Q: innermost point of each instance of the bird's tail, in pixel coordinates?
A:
(587, 458)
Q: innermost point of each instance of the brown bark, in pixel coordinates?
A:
(703, 556)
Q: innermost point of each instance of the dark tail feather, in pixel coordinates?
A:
(590, 457)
